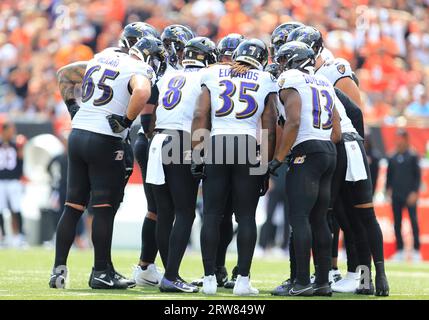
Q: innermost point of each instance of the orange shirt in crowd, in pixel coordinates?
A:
(72, 53)
(386, 43)
(232, 20)
(19, 37)
(345, 53)
(381, 68)
(304, 9)
(381, 109)
(117, 10)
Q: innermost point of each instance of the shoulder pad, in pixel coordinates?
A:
(343, 67)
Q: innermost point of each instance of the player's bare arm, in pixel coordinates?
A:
(336, 127)
(350, 88)
(140, 92)
(202, 113)
(292, 103)
(141, 88)
(69, 76)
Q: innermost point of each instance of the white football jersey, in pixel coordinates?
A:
(334, 70)
(168, 70)
(178, 94)
(105, 90)
(237, 103)
(326, 54)
(317, 104)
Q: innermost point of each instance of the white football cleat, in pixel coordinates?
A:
(334, 276)
(209, 285)
(149, 277)
(19, 242)
(416, 257)
(243, 287)
(348, 284)
(399, 256)
(3, 243)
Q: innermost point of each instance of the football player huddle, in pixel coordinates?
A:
(209, 115)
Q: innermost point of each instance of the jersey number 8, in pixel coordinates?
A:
(173, 95)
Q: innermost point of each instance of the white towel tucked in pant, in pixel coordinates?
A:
(355, 164)
(155, 170)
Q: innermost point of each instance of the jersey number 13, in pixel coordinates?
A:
(318, 108)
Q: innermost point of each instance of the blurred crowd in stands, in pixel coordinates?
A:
(386, 41)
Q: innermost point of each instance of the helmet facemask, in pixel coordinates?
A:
(288, 63)
(127, 43)
(175, 51)
(156, 62)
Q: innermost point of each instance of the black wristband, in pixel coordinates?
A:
(276, 163)
(145, 120)
(72, 107)
(128, 122)
(70, 102)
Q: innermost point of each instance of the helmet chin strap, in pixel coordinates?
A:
(156, 63)
(304, 66)
(136, 53)
(310, 70)
(127, 44)
(174, 58)
(318, 53)
(142, 58)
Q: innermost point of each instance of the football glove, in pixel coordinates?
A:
(273, 166)
(198, 170)
(72, 107)
(119, 123)
(265, 184)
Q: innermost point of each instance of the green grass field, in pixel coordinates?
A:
(24, 274)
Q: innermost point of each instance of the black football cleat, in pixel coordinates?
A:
(106, 280)
(221, 276)
(130, 283)
(119, 277)
(177, 285)
(381, 286)
(322, 290)
(198, 282)
(231, 283)
(299, 290)
(283, 289)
